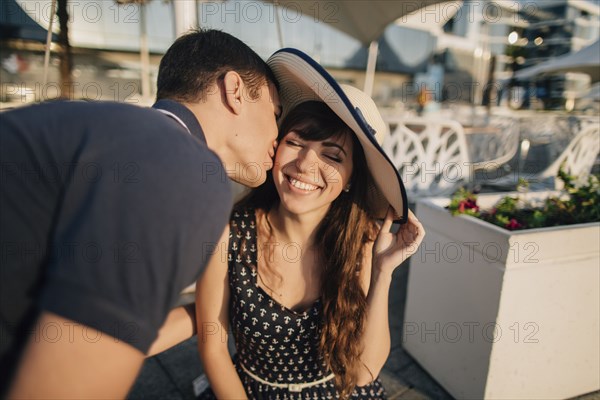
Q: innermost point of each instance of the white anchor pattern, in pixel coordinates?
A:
(275, 343)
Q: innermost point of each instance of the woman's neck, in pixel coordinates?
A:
(294, 228)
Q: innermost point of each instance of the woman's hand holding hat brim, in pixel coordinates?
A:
(392, 249)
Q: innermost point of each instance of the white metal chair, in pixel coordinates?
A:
(576, 159)
(431, 155)
(495, 145)
(579, 156)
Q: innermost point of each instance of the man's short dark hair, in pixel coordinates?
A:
(200, 58)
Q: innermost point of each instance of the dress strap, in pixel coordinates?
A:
(242, 251)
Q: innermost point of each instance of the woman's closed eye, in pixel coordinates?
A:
(292, 143)
(334, 157)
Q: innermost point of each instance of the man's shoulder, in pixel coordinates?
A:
(75, 107)
(72, 121)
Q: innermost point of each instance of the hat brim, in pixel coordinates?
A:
(302, 79)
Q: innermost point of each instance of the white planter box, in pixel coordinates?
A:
(504, 315)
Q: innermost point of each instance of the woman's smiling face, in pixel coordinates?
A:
(310, 174)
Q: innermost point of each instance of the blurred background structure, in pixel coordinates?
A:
(457, 51)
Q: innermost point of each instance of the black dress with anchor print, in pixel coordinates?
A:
(275, 343)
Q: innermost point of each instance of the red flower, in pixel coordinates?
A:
(513, 224)
(467, 204)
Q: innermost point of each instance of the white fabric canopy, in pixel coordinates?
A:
(586, 60)
(364, 20)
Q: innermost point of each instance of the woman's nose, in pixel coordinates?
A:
(307, 159)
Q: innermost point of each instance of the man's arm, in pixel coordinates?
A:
(180, 325)
(77, 363)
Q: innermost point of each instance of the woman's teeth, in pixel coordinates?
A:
(302, 185)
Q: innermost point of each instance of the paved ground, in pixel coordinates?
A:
(169, 375)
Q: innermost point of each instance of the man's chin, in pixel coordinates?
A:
(250, 182)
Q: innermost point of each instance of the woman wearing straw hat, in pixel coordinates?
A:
(305, 280)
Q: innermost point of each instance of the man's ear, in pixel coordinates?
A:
(234, 89)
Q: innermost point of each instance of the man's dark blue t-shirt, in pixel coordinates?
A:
(107, 211)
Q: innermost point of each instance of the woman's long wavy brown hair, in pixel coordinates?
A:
(344, 231)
